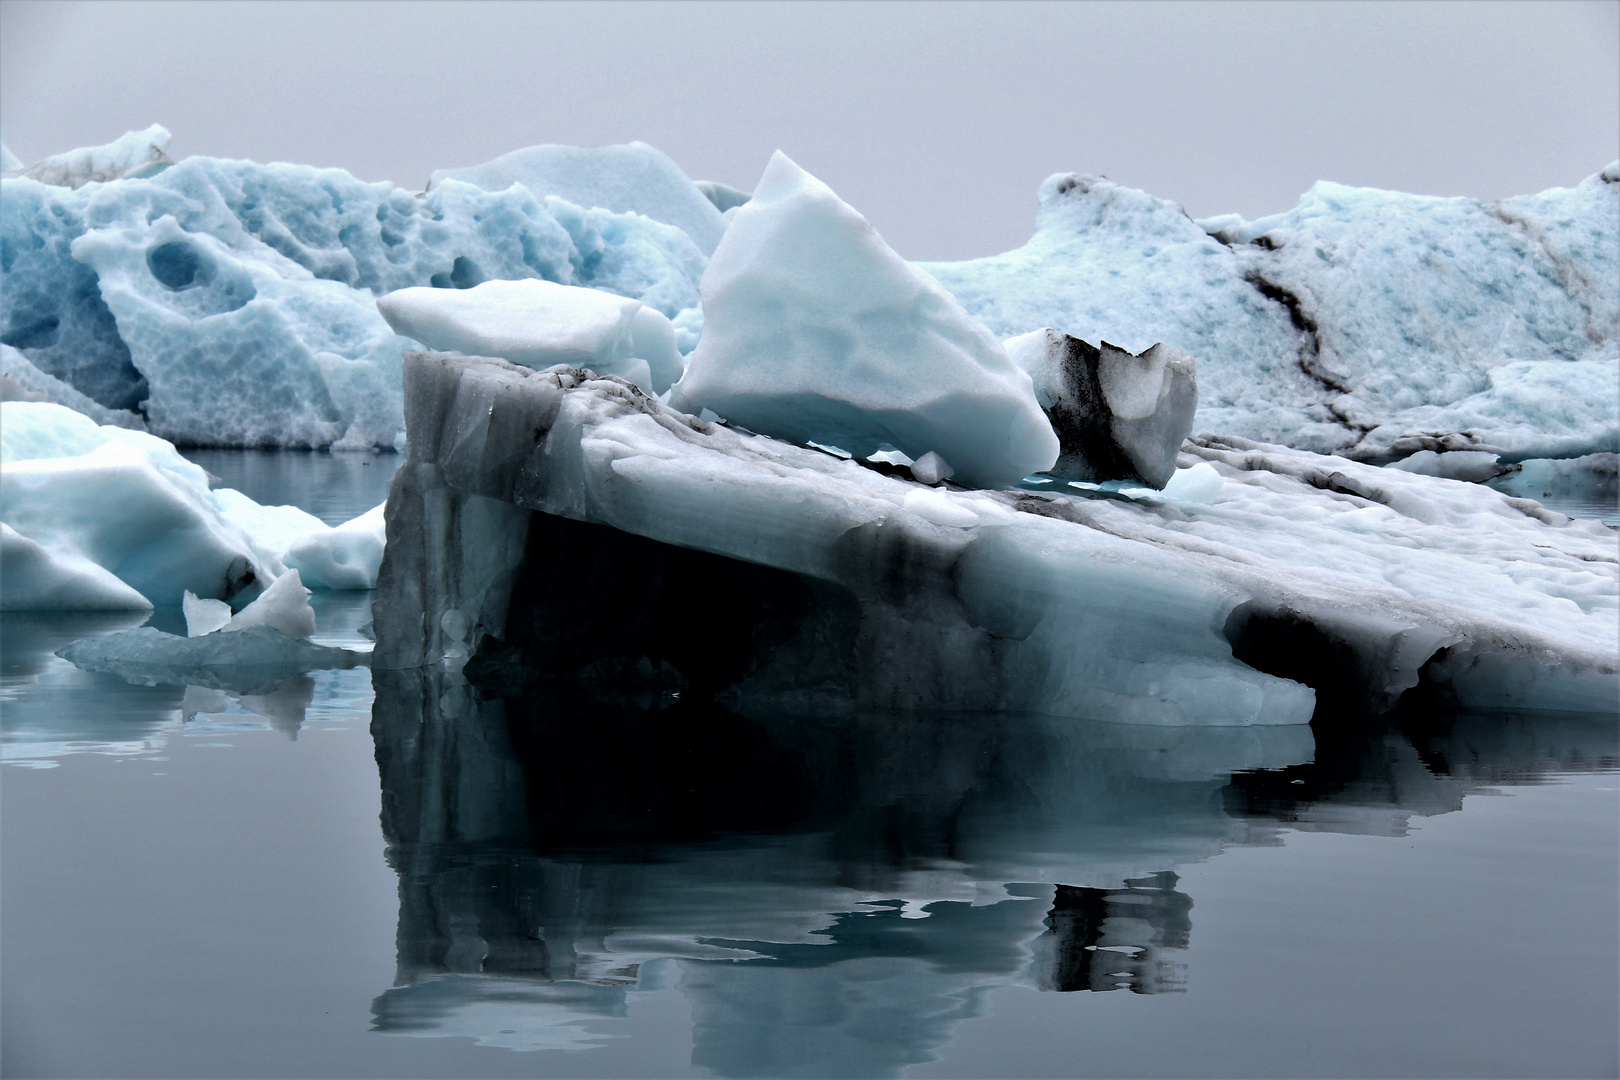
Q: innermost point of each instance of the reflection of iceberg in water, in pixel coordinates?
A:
(838, 893)
(52, 709)
(833, 897)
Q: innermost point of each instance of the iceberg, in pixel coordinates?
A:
(112, 518)
(814, 330)
(133, 155)
(1117, 416)
(257, 660)
(703, 560)
(35, 578)
(1363, 322)
(230, 303)
(633, 178)
(342, 556)
(540, 324)
(20, 380)
(126, 501)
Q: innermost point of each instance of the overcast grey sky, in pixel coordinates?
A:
(937, 121)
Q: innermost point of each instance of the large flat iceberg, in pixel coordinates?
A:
(815, 330)
(575, 530)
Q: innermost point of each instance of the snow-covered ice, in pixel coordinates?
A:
(127, 504)
(1118, 416)
(908, 597)
(816, 331)
(540, 324)
(1363, 321)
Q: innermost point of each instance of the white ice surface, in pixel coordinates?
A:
(816, 331)
(204, 616)
(343, 556)
(539, 324)
(1489, 326)
(129, 503)
(35, 578)
(284, 606)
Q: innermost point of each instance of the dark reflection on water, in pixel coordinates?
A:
(832, 897)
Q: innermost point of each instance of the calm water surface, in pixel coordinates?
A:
(338, 879)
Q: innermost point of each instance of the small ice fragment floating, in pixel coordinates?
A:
(256, 660)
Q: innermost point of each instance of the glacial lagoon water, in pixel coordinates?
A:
(391, 877)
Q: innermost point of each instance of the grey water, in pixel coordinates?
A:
(392, 875)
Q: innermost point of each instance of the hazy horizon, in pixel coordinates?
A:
(937, 121)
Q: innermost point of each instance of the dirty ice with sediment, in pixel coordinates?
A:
(1142, 468)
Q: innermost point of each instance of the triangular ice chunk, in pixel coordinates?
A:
(816, 331)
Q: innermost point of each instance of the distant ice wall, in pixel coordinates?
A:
(233, 303)
(1363, 322)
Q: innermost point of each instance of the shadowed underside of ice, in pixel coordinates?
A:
(577, 529)
(1366, 322)
(252, 661)
(815, 330)
(233, 303)
(85, 503)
